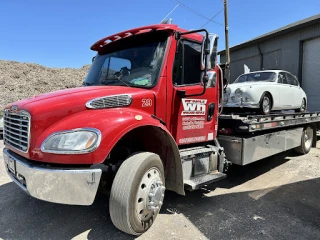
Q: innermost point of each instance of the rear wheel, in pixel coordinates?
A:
(266, 104)
(137, 193)
(306, 141)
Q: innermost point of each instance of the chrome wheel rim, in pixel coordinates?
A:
(308, 134)
(150, 195)
(266, 105)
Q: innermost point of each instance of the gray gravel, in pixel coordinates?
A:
(21, 80)
(276, 198)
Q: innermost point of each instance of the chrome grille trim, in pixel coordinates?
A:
(110, 102)
(16, 129)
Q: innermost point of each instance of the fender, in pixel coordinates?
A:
(113, 124)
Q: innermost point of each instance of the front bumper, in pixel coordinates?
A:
(241, 105)
(58, 185)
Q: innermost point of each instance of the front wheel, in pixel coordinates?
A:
(265, 104)
(303, 106)
(137, 193)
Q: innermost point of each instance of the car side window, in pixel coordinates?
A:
(292, 80)
(186, 68)
(282, 78)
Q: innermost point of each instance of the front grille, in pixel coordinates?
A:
(110, 102)
(17, 129)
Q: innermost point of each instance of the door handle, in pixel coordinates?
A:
(210, 111)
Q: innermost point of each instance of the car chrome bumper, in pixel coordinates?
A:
(66, 186)
(241, 104)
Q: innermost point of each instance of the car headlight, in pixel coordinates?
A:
(77, 141)
(238, 92)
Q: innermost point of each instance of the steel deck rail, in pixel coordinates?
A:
(253, 123)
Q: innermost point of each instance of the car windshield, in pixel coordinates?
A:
(135, 62)
(256, 77)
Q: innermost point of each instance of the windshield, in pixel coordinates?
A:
(136, 65)
(256, 77)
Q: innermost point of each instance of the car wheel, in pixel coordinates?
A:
(137, 193)
(303, 106)
(265, 104)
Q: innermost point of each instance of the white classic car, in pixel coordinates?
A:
(266, 91)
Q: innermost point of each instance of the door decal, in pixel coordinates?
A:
(194, 107)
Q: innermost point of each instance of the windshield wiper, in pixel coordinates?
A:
(112, 81)
(123, 82)
(85, 84)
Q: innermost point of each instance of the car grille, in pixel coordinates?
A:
(17, 129)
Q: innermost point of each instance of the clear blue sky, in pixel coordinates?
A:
(59, 33)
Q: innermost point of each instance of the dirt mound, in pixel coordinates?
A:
(22, 80)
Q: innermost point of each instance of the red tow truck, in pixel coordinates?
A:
(148, 118)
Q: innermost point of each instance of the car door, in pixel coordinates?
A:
(286, 93)
(194, 118)
(296, 91)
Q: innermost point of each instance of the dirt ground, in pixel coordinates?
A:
(276, 198)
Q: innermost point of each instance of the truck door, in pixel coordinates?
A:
(193, 119)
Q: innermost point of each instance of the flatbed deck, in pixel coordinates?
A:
(244, 123)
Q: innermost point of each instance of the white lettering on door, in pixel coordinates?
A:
(194, 107)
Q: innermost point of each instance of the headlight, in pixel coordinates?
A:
(238, 92)
(77, 141)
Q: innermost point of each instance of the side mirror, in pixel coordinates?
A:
(210, 51)
(205, 48)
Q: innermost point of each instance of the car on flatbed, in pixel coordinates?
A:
(266, 91)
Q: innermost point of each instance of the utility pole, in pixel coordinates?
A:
(226, 32)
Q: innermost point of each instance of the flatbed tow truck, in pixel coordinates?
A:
(148, 118)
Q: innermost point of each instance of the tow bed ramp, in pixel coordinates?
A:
(255, 137)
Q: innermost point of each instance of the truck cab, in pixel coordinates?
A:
(144, 120)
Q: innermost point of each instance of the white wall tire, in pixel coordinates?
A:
(266, 104)
(137, 193)
(303, 107)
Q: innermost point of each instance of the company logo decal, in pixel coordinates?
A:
(14, 108)
(194, 107)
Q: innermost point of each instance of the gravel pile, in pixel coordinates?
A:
(22, 80)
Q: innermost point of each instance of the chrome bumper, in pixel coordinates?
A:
(241, 104)
(66, 186)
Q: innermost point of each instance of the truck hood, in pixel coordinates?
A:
(50, 108)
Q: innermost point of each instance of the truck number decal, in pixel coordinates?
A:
(194, 107)
(146, 102)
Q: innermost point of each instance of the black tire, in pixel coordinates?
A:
(125, 197)
(264, 108)
(303, 106)
(306, 141)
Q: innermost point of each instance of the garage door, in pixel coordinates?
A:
(311, 73)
